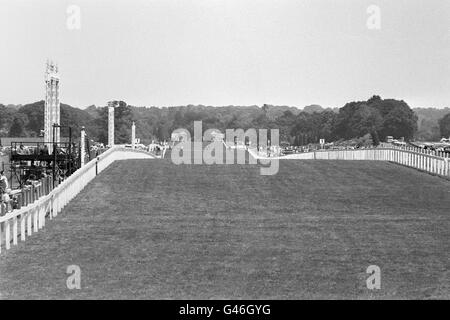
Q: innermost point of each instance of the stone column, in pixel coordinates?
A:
(110, 125)
(133, 135)
(82, 146)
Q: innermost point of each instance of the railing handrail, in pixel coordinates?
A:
(382, 148)
(435, 156)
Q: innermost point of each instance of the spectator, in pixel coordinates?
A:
(32, 178)
(5, 199)
(44, 150)
(3, 207)
(3, 182)
(15, 203)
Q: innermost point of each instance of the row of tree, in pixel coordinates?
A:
(444, 125)
(429, 128)
(376, 116)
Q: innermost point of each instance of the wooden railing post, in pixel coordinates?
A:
(22, 227)
(14, 230)
(29, 223)
(7, 235)
(446, 167)
(33, 193)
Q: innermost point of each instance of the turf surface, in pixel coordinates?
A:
(151, 229)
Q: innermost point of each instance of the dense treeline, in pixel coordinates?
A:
(28, 120)
(429, 128)
(376, 116)
(444, 126)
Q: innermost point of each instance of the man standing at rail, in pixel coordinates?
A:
(4, 197)
(3, 182)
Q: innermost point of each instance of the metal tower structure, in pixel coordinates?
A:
(52, 105)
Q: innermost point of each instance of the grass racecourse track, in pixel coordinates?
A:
(152, 229)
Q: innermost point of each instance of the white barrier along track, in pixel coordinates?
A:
(425, 160)
(28, 220)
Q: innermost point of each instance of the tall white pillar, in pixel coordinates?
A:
(52, 105)
(133, 135)
(82, 146)
(110, 125)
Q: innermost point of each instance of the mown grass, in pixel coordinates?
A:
(151, 229)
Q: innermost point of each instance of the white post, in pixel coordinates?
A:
(438, 164)
(22, 226)
(7, 235)
(446, 169)
(422, 160)
(14, 231)
(110, 125)
(426, 161)
(82, 146)
(431, 164)
(29, 223)
(416, 160)
(35, 213)
(133, 135)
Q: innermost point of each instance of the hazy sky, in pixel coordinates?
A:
(241, 52)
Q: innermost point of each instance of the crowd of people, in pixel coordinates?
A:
(8, 197)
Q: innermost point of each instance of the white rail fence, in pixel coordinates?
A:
(27, 220)
(430, 161)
